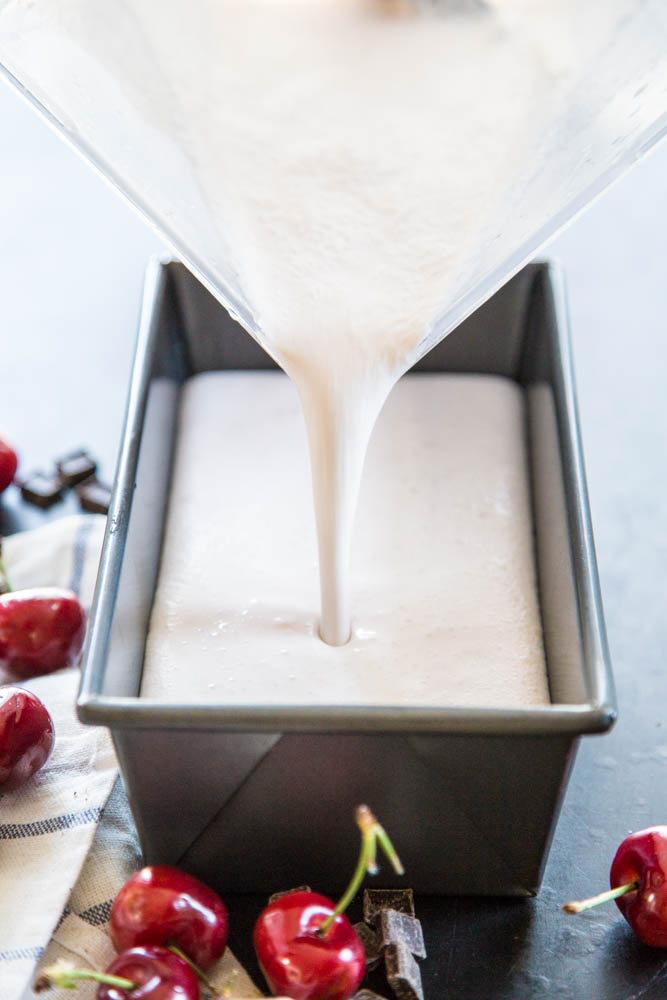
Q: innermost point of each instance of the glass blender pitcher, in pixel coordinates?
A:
(544, 104)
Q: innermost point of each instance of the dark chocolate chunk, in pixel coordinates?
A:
(42, 489)
(403, 973)
(387, 899)
(398, 927)
(76, 467)
(367, 995)
(93, 496)
(371, 943)
(286, 892)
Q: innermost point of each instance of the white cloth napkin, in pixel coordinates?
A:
(65, 851)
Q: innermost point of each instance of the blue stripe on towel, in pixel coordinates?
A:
(99, 914)
(16, 831)
(17, 953)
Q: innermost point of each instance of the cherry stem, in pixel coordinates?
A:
(372, 834)
(66, 976)
(201, 975)
(578, 906)
(5, 585)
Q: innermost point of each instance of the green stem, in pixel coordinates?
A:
(578, 906)
(372, 834)
(65, 977)
(388, 848)
(5, 585)
(201, 975)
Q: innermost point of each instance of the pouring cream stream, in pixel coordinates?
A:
(332, 163)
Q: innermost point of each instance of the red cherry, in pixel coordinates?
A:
(300, 963)
(307, 949)
(26, 736)
(150, 973)
(163, 905)
(41, 630)
(8, 464)
(158, 974)
(642, 859)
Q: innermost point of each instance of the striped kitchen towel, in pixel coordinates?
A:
(47, 827)
(81, 937)
(67, 844)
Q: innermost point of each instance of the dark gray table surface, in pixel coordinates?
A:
(71, 263)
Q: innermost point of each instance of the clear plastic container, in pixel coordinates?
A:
(127, 85)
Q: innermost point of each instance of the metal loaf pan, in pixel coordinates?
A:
(254, 798)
